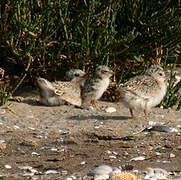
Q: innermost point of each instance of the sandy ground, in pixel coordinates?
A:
(60, 141)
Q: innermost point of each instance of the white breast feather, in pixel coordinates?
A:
(102, 87)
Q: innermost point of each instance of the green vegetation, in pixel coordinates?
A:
(46, 37)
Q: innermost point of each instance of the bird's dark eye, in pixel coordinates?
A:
(76, 75)
(161, 74)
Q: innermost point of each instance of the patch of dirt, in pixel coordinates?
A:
(73, 140)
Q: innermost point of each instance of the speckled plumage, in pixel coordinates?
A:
(146, 91)
(122, 175)
(68, 91)
(47, 93)
(94, 87)
(57, 93)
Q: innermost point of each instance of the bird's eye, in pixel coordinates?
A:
(103, 71)
(161, 74)
(76, 75)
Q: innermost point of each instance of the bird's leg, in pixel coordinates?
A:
(8, 107)
(93, 103)
(131, 112)
(145, 112)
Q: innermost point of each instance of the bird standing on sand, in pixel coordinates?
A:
(144, 92)
(94, 87)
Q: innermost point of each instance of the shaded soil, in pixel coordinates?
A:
(70, 140)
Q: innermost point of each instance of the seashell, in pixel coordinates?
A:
(51, 171)
(139, 158)
(83, 162)
(162, 129)
(123, 176)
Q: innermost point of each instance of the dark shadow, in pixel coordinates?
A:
(32, 102)
(98, 117)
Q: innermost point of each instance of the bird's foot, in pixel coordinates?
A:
(8, 107)
(93, 103)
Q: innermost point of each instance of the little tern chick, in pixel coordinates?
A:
(47, 93)
(57, 93)
(144, 92)
(95, 86)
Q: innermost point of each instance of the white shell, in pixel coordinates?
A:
(110, 109)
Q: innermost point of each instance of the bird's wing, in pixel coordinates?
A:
(140, 86)
(68, 91)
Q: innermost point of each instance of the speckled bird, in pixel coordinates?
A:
(95, 86)
(145, 91)
(57, 93)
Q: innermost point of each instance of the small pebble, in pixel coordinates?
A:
(25, 167)
(139, 158)
(16, 127)
(62, 132)
(174, 130)
(31, 128)
(54, 149)
(70, 178)
(110, 109)
(115, 153)
(96, 127)
(33, 170)
(172, 155)
(158, 153)
(108, 152)
(51, 172)
(64, 172)
(112, 157)
(7, 166)
(151, 123)
(83, 162)
(35, 153)
(164, 161)
(90, 108)
(179, 126)
(39, 136)
(28, 174)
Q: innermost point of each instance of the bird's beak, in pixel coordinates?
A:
(111, 72)
(85, 76)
